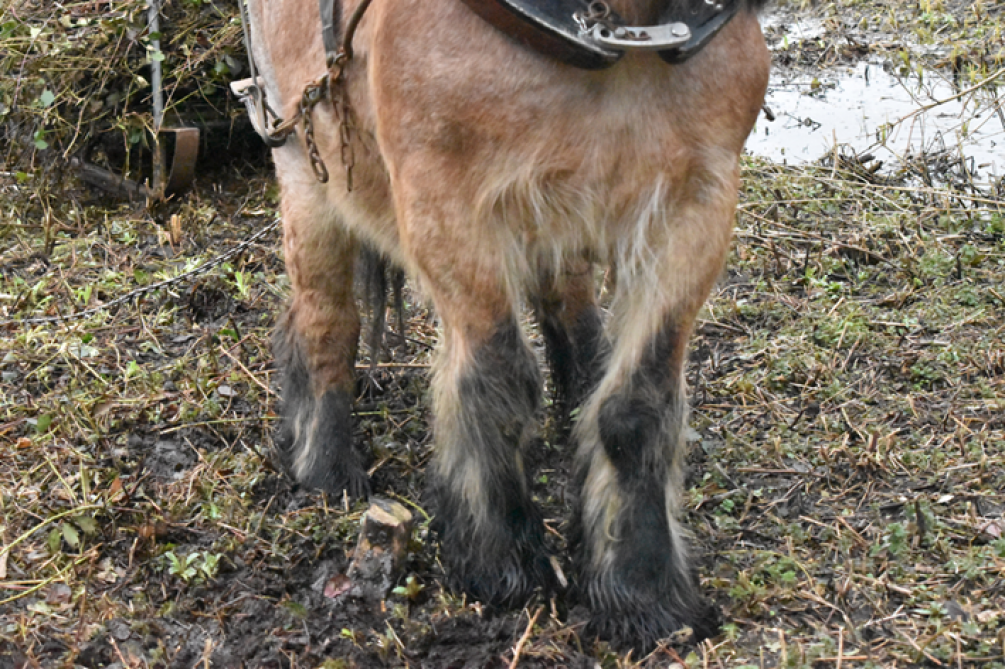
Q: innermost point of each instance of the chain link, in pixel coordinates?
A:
(343, 112)
(313, 93)
(331, 85)
(139, 292)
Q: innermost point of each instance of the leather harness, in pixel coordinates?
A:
(587, 34)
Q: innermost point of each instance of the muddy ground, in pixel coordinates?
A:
(847, 437)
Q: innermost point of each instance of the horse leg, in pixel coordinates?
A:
(573, 330)
(486, 390)
(631, 552)
(315, 345)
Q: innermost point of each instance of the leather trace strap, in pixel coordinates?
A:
(329, 31)
(589, 35)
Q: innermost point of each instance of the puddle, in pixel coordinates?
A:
(792, 30)
(874, 111)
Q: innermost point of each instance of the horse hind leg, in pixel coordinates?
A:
(572, 327)
(315, 345)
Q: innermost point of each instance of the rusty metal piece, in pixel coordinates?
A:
(186, 151)
(251, 92)
(313, 93)
(274, 130)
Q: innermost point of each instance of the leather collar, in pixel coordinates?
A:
(588, 35)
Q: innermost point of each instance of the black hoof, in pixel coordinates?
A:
(315, 446)
(500, 562)
(642, 622)
(507, 583)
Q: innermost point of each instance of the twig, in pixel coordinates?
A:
(394, 365)
(62, 514)
(44, 582)
(247, 371)
(967, 91)
(122, 658)
(920, 649)
(518, 648)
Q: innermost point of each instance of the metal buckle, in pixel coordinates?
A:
(650, 38)
(682, 34)
(251, 93)
(551, 27)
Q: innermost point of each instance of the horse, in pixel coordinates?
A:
(501, 178)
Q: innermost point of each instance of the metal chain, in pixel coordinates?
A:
(343, 112)
(313, 93)
(332, 85)
(201, 269)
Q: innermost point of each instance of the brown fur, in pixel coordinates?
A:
(490, 172)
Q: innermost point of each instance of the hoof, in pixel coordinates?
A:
(508, 581)
(642, 625)
(315, 446)
(502, 560)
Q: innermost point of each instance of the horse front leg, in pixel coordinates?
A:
(632, 553)
(486, 392)
(315, 345)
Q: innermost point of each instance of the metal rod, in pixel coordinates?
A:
(157, 93)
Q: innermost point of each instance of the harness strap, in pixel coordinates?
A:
(251, 92)
(329, 30)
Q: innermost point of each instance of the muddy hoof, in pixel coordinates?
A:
(338, 478)
(506, 583)
(503, 562)
(640, 622)
(315, 445)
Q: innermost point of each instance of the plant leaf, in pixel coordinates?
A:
(70, 535)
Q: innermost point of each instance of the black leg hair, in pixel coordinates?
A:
(314, 439)
(491, 533)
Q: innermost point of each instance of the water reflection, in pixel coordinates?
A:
(882, 113)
